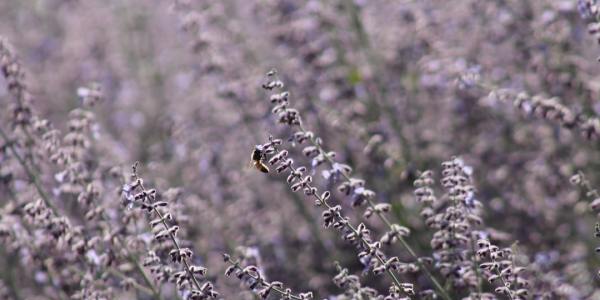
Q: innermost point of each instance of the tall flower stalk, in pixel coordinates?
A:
(163, 228)
(350, 186)
(370, 251)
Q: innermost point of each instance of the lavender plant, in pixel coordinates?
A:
(375, 91)
(164, 230)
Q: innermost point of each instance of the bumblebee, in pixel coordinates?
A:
(257, 157)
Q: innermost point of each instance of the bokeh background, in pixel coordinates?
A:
(394, 87)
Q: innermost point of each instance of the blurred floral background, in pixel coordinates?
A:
(505, 92)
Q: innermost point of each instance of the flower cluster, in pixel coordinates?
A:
(425, 195)
(352, 287)
(462, 250)
(370, 254)
(590, 13)
(163, 229)
(500, 267)
(579, 179)
(15, 77)
(381, 89)
(352, 187)
(455, 225)
(75, 248)
(550, 109)
(253, 278)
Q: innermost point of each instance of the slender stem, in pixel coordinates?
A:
(172, 237)
(52, 275)
(30, 140)
(185, 262)
(475, 266)
(385, 220)
(236, 264)
(354, 230)
(32, 176)
(504, 284)
(378, 89)
(148, 290)
(11, 260)
(132, 259)
(514, 260)
(138, 267)
(136, 285)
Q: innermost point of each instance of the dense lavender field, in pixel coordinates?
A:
(281, 149)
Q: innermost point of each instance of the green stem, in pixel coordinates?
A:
(136, 285)
(378, 88)
(32, 176)
(132, 259)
